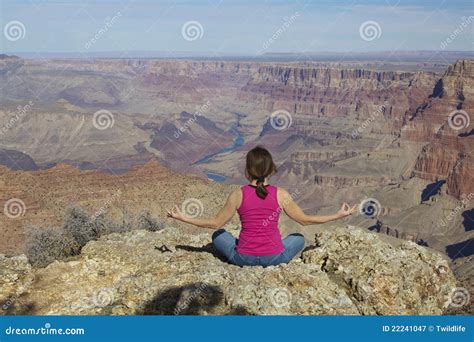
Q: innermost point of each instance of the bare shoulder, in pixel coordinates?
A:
(283, 196)
(235, 197)
(282, 193)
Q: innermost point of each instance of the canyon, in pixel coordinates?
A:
(158, 132)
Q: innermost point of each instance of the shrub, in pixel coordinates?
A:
(82, 227)
(148, 222)
(45, 245)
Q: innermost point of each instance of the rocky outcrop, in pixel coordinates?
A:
(461, 178)
(348, 271)
(444, 122)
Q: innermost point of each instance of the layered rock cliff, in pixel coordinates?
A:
(344, 271)
(444, 123)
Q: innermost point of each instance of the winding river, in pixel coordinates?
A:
(238, 141)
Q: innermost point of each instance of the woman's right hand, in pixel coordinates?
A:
(175, 213)
(346, 210)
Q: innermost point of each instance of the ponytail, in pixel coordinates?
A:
(259, 165)
(260, 190)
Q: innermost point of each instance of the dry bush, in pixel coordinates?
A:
(148, 222)
(82, 227)
(45, 245)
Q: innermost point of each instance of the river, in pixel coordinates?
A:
(238, 141)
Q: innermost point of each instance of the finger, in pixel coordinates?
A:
(354, 208)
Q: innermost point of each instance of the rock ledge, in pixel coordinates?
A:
(347, 272)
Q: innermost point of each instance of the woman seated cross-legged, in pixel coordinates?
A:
(259, 205)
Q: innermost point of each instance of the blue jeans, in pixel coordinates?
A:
(225, 244)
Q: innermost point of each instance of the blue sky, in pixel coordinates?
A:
(235, 27)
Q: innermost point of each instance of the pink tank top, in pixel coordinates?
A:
(260, 235)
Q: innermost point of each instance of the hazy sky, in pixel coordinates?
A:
(240, 27)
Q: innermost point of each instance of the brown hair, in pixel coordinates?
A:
(259, 165)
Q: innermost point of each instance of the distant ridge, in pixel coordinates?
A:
(420, 56)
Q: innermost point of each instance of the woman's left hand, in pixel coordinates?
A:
(175, 213)
(346, 210)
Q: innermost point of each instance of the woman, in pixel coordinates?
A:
(259, 205)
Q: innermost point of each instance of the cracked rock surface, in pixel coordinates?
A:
(345, 272)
